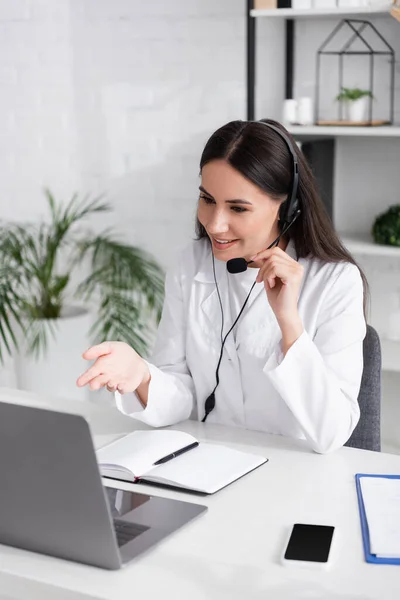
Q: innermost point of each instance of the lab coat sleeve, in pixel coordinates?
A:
(171, 389)
(319, 379)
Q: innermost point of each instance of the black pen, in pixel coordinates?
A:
(174, 454)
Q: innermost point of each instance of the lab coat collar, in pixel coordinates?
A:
(257, 316)
(205, 274)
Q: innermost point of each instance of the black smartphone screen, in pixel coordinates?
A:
(309, 542)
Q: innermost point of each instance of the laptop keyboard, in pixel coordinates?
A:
(127, 531)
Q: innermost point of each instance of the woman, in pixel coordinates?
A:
(292, 363)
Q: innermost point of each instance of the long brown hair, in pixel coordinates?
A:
(261, 156)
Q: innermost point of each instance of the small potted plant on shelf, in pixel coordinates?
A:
(54, 278)
(386, 228)
(355, 102)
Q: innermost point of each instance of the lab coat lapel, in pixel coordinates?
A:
(210, 308)
(257, 318)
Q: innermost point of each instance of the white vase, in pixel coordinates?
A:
(305, 111)
(289, 114)
(356, 110)
(55, 373)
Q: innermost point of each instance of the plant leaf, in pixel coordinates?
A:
(130, 279)
(125, 281)
(120, 319)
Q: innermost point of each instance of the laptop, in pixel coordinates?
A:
(53, 501)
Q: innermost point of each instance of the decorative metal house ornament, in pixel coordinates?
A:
(363, 40)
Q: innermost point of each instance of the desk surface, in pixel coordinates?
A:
(233, 551)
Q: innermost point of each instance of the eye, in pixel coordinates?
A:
(206, 199)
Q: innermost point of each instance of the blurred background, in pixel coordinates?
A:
(117, 99)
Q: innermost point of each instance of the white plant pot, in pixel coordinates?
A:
(55, 374)
(356, 110)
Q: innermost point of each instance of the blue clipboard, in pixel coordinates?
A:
(371, 558)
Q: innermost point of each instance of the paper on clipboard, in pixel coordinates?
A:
(381, 497)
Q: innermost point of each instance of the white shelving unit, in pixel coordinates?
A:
(314, 131)
(292, 13)
(363, 245)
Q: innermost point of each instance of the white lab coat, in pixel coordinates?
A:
(310, 393)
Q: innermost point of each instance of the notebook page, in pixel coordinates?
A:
(381, 498)
(207, 468)
(138, 451)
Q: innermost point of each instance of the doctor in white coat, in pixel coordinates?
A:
(292, 364)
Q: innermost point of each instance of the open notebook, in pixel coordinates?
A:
(183, 462)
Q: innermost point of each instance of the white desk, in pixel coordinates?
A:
(233, 550)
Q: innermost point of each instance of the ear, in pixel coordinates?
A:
(282, 211)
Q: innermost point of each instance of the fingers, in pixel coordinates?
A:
(287, 272)
(98, 382)
(94, 371)
(264, 254)
(115, 367)
(96, 351)
(274, 267)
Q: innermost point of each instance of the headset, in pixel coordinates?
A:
(289, 211)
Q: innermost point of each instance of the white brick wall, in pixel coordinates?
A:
(116, 98)
(37, 124)
(152, 80)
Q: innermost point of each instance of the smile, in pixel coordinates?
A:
(220, 244)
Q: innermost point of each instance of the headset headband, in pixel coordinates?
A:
(291, 204)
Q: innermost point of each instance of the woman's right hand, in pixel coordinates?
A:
(117, 366)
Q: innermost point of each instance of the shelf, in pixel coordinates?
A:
(293, 13)
(362, 244)
(341, 131)
(390, 355)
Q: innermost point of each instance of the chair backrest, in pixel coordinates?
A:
(367, 434)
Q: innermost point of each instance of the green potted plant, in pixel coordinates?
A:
(386, 228)
(63, 287)
(355, 102)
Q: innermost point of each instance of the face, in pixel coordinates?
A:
(239, 218)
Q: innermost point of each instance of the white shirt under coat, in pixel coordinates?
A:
(310, 393)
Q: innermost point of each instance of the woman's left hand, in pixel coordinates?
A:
(282, 277)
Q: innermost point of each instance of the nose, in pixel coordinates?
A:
(217, 223)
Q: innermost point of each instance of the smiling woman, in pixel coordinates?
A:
(277, 347)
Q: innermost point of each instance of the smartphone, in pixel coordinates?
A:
(309, 545)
